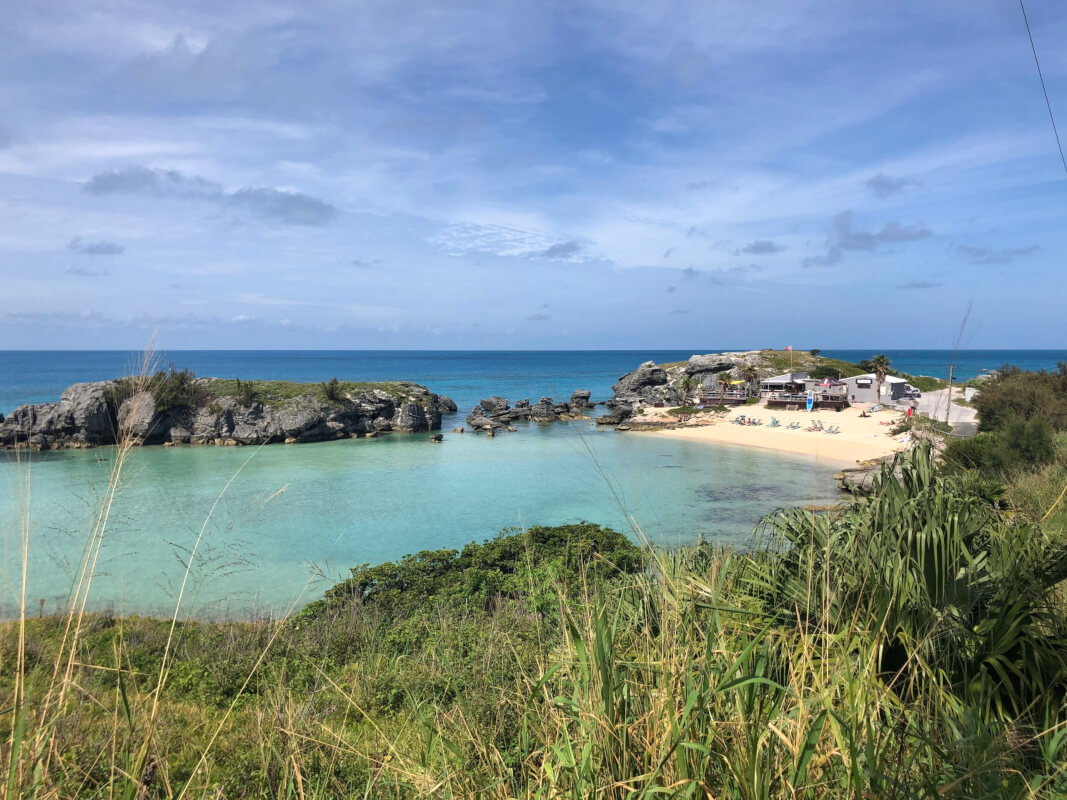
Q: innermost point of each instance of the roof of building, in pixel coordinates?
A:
(789, 377)
(873, 377)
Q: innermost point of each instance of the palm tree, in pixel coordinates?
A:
(880, 367)
(685, 388)
(724, 381)
(750, 374)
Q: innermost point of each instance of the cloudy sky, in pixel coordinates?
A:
(591, 174)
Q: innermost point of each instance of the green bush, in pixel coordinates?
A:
(1017, 395)
(1022, 445)
(172, 389)
(246, 393)
(512, 565)
(1026, 443)
(331, 390)
(682, 411)
(980, 453)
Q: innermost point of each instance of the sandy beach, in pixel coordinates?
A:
(860, 438)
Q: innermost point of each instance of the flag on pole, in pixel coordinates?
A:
(790, 349)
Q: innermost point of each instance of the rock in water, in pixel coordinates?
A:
(580, 399)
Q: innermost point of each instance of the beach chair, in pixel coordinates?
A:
(792, 426)
(831, 429)
(775, 423)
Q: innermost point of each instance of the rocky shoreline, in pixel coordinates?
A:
(102, 413)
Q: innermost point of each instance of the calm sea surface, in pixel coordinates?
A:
(293, 519)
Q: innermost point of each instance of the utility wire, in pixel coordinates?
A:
(1043, 89)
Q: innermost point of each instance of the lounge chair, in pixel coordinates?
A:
(793, 426)
(775, 423)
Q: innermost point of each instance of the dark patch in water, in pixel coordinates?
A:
(726, 494)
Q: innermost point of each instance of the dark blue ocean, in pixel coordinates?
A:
(282, 522)
(466, 376)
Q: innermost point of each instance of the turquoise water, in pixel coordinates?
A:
(295, 518)
(344, 503)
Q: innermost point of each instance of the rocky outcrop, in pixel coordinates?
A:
(648, 383)
(580, 399)
(653, 383)
(81, 418)
(90, 414)
(495, 412)
(619, 413)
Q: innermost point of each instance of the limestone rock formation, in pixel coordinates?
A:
(495, 412)
(90, 414)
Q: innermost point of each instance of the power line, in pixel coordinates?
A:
(1043, 89)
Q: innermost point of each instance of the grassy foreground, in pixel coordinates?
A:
(909, 645)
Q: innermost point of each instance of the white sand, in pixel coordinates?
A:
(860, 438)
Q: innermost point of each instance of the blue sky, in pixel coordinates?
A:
(530, 174)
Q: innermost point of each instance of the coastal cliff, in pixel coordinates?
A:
(178, 408)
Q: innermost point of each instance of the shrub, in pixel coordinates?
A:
(1026, 443)
(815, 351)
(246, 392)
(1016, 395)
(682, 411)
(512, 565)
(177, 389)
(980, 453)
(1022, 445)
(331, 390)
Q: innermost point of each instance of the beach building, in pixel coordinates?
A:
(827, 392)
(864, 388)
(791, 389)
(784, 390)
(735, 393)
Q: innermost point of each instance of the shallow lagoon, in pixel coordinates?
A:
(296, 517)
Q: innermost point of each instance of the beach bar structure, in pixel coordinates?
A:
(864, 388)
(827, 392)
(784, 390)
(791, 390)
(735, 394)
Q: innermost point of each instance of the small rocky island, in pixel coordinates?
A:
(495, 412)
(176, 407)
